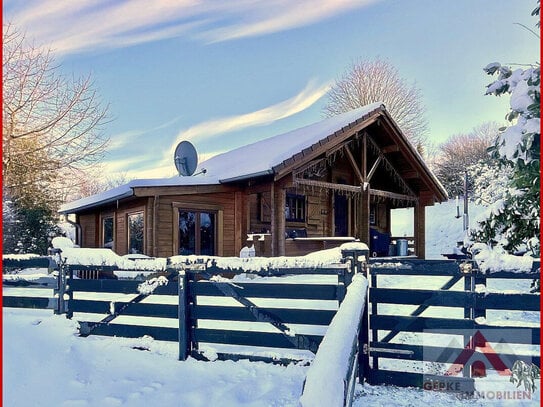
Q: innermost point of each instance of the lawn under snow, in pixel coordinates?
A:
(47, 364)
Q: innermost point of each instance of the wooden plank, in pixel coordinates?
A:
(117, 286)
(392, 195)
(28, 302)
(291, 291)
(184, 344)
(511, 334)
(354, 165)
(83, 267)
(393, 148)
(328, 185)
(505, 301)
(130, 331)
(374, 168)
(273, 272)
(437, 354)
(134, 309)
(409, 379)
(107, 286)
(44, 283)
(183, 190)
(514, 275)
(251, 338)
(287, 316)
(419, 324)
(414, 267)
(441, 298)
(33, 262)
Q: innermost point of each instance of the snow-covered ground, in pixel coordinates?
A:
(47, 364)
(443, 228)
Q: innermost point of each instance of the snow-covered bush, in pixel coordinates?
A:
(514, 221)
(29, 229)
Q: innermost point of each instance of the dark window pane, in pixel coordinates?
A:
(107, 226)
(207, 234)
(187, 233)
(295, 208)
(196, 233)
(135, 233)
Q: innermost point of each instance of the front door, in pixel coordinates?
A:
(340, 215)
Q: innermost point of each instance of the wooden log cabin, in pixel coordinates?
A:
(308, 189)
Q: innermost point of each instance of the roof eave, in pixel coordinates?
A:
(112, 199)
(247, 176)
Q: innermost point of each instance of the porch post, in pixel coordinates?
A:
(364, 215)
(419, 229)
(278, 221)
(280, 202)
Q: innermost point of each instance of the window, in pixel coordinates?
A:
(373, 215)
(135, 233)
(197, 232)
(295, 208)
(107, 232)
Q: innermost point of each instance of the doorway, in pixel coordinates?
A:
(341, 215)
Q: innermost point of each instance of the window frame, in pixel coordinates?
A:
(198, 208)
(103, 218)
(128, 215)
(296, 199)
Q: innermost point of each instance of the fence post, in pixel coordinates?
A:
(68, 276)
(362, 263)
(359, 258)
(478, 279)
(363, 345)
(183, 315)
(61, 290)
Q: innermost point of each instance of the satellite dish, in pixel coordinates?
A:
(185, 158)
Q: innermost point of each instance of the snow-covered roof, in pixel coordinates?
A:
(251, 160)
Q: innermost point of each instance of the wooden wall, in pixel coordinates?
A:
(121, 228)
(89, 230)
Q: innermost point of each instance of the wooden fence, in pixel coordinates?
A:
(35, 293)
(475, 300)
(182, 299)
(180, 295)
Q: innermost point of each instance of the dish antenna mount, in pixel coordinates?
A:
(185, 158)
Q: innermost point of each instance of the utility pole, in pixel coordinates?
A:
(466, 215)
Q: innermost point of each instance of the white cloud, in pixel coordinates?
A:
(77, 26)
(212, 128)
(164, 167)
(280, 15)
(126, 138)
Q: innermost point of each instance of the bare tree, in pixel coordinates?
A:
(52, 124)
(460, 151)
(366, 82)
(86, 183)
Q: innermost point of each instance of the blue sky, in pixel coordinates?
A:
(222, 74)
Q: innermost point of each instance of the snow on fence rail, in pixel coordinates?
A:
(330, 379)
